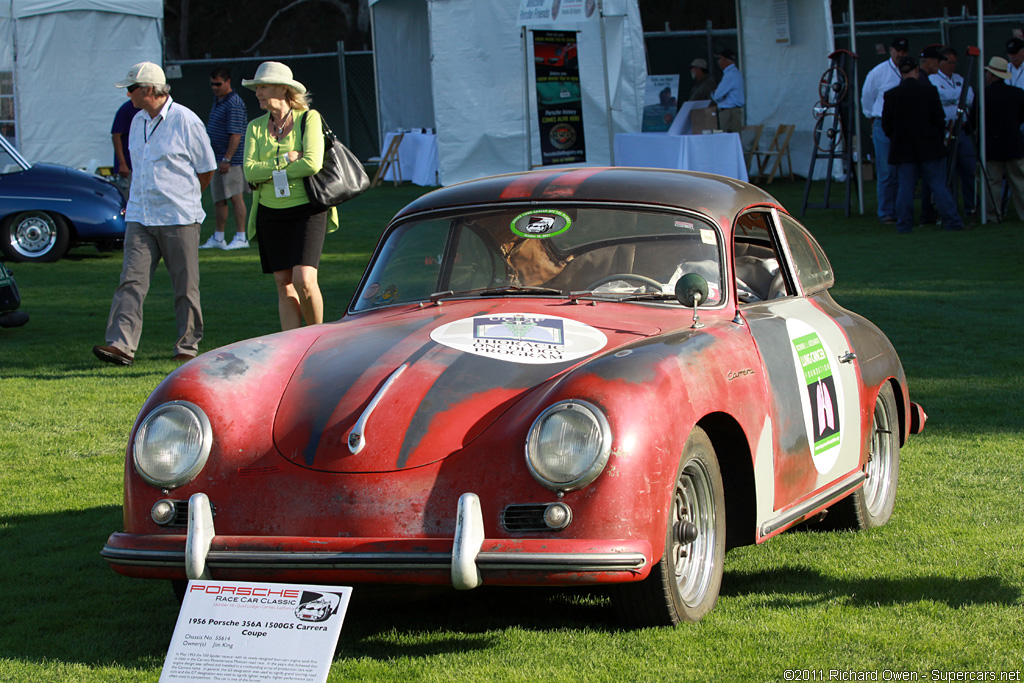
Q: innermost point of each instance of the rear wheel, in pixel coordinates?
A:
(684, 585)
(35, 236)
(871, 505)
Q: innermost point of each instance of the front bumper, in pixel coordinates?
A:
(465, 561)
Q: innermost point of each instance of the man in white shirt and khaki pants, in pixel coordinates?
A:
(173, 163)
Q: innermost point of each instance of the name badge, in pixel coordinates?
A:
(281, 184)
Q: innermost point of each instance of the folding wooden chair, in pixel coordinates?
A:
(751, 135)
(778, 149)
(388, 161)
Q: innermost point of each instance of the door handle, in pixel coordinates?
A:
(848, 357)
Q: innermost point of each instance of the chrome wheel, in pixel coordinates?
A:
(35, 236)
(880, 460)
(694, 533)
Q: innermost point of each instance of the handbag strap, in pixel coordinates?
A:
(328, 133)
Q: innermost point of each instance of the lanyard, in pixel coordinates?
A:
(147, 133)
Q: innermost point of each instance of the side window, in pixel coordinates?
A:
(812, 267)
(757, 267)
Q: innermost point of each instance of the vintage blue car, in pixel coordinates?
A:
(45, 209)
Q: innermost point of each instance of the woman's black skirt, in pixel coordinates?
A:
(290, 237)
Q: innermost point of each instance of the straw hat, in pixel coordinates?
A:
(143, 72)
(274, 73)
(998, 67)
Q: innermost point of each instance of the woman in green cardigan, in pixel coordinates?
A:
(289, 231)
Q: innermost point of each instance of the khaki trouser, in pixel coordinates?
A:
(144, 246)
(1013, 171)
(731, 120)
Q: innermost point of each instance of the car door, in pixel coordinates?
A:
(811, 370)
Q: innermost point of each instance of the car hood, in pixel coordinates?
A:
(48, 179)
(426, 382)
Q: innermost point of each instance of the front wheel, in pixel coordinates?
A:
(684, 585)
(35, 236)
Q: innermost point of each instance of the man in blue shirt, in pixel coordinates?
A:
(119, 137)
(729, 93)
(226, 128)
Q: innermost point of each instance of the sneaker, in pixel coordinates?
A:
(239, 242)
(214, 243)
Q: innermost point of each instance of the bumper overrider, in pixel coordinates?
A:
(464, 561)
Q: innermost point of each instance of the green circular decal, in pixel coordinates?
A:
(541, 223)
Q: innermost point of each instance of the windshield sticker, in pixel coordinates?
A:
(708, 236)
(541, 224)
(521, 338)
(821, 400)
(684, 225)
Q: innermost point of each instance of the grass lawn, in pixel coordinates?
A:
(936, 591)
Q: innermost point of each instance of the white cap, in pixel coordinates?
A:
(143, 72)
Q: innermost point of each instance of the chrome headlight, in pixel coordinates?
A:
(568, 445)
(172, 444)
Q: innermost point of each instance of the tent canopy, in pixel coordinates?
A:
(68, 55)
(466, 69)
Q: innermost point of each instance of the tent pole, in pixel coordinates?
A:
(526, 98)
(376, 79)
(607, 90)
(856, 114)
(982, 202)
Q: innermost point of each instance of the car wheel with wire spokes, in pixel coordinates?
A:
(684, 585)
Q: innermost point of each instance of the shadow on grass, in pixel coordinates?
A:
(802, 586)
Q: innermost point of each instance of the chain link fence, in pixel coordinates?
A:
(341, 84)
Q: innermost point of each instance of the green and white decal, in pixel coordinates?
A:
(822, 395)
(541, 224)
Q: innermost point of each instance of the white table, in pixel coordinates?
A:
(417, 155)
(720, 153)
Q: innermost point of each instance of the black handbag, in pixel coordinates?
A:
(340, 178)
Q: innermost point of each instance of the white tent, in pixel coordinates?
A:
(65, 56)
(465, 68)
(783, 55)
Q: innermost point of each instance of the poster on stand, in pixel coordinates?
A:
(660, 103)
(251, 632)
(559, 98)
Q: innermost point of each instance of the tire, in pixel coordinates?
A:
(684, 585)
(872, 505)
(35, 236)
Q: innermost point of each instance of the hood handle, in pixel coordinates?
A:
(357, 437)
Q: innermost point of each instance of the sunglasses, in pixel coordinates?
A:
(133, 87)
(216, 84)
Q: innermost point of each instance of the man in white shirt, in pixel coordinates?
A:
(880, 80)
(1015, 56)
(949, 84)
(172, 163)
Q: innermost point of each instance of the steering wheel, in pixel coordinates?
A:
(642, 279)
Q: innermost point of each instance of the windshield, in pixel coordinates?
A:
(550, 250)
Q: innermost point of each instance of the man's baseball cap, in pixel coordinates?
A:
(143, 72)
(901, 44)
(1014, 45)
(727, 53)
(700, 63)
(933, 52)
(907, 64)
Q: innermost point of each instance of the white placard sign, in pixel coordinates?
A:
(250, 632)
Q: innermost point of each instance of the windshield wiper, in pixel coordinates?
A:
(650, 296)
(513, 289)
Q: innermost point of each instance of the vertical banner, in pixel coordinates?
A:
(559, 99)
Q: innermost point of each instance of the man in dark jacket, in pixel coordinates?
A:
(913, 119)
(1004, 143)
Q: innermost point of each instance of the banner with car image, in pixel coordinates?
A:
(255, 631)
(559, 98)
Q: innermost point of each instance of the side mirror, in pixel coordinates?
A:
(691, 289)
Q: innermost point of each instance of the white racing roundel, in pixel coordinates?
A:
(521, 337)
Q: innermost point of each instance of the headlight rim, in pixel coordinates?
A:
(200, 461)
(596, 467)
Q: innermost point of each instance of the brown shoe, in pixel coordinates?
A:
(183, 357)
(111, 354)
